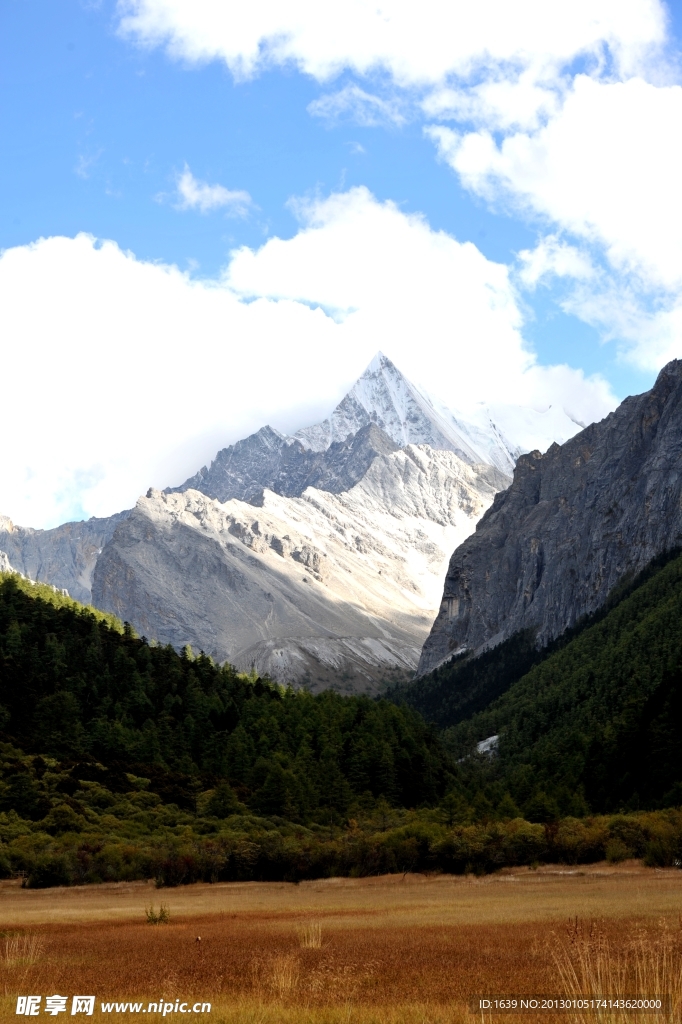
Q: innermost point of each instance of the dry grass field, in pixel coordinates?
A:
(393, 950)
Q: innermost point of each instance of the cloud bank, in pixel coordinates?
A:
(604, 170)
(565, 114)
(121, 374)
(416, 43)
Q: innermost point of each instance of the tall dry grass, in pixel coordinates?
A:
(22, 950)
(284, 975)
(310, 935)
(642, 962)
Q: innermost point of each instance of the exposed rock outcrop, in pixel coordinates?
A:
(346, 664)
(574, 522)
(268, 459)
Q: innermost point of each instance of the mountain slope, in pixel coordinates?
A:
(603, 715)
(64, 557)
(469, 683)
(73, 687)
(382, 412)
(122, 760)
(344, 583)
(574, 522)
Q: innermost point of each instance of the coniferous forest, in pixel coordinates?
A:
(121, 759)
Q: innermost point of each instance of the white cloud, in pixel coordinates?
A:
(650, 334)
(354, 104)
(564, 113)
(448, 316)
(604, 168)
(553, 258)
(507, 99)
(360, 259)
(197, 195)
(416, 43)
(592, 155)
(120, 374)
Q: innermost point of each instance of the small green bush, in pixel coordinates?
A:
(162, 916)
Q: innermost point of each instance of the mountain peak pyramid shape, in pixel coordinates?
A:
(384, 396)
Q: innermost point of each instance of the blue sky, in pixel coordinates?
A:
(96, 128)
(99, 124)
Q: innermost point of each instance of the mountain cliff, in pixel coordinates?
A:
(308, 588)
(573, 524)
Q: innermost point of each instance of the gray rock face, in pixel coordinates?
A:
(573, 523)
(345, 664)
(312, 589)
(5, 563)
(64, 557)
(268, 459)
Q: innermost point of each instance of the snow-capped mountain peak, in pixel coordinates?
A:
(383, 395)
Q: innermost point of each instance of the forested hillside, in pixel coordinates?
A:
(73, 686)
(598, 721)
(465, 684)
(120, 759)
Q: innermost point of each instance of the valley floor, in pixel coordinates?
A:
(391, 950)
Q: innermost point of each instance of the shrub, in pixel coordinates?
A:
(617, 851)
(49, 870)
(162, 916)
(524, 843)
(629, 832)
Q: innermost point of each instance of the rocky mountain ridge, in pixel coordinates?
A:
(64, 556)
(308, 588)
(383, 411)
(270, 459)
(175, 567)
(574, 523)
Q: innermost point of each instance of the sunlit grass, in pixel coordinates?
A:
(22, 950)
(372, 952)
(640, 962)
(310, 935)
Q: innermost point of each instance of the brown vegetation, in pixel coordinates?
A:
(389, 951)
